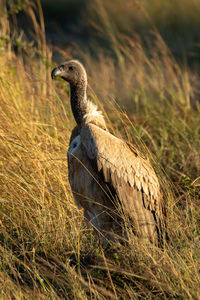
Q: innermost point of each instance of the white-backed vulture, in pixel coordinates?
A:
(110, 179)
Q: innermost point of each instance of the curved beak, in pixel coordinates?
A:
(56, 72)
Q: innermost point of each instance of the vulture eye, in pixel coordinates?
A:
(71, 68)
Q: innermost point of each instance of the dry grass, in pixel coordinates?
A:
(46, 251)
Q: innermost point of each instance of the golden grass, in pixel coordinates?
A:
(45, 249)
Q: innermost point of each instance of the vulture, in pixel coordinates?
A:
(110, 179)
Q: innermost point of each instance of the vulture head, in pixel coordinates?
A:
(72, 71)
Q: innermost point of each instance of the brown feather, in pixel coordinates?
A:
(128, 173)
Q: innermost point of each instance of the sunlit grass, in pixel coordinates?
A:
(46, 250)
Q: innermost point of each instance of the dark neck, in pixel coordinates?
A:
(78, 99)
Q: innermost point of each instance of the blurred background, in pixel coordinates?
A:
(89, 24)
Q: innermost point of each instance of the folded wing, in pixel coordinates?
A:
(131, 177)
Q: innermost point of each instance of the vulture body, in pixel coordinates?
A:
(110, 179)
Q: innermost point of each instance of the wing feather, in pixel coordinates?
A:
(120, 162)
